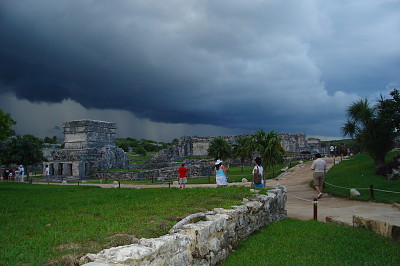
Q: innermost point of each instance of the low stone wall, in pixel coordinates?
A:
(167, 173)
(203, 243)
(380, 227)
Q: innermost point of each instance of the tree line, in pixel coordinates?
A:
(141, 147)
(266, 145)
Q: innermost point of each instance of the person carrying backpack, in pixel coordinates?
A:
(258, 171)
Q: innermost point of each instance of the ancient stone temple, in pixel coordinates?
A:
(89, 147)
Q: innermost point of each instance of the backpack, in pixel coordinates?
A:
(257, 177)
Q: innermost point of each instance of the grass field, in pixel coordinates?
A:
(40, 222)
(294, 242)
(358, 172)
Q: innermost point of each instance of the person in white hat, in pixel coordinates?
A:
(220, 174)
(21, 173)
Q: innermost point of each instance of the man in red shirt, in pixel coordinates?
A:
(182, 175)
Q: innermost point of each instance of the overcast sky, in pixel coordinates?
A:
(164, 69)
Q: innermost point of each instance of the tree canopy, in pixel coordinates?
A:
(268, 145)
(389, 110)
(243, 149)
(25, 150)
(373, 127)
(219, 149)
(6, 123)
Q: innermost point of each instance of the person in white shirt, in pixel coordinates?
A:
(21, 173)
(332, 151)
(319, 167)
(47, 171)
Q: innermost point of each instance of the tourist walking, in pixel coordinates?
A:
(258, 173)
(332, 151)
(182, 175)
(220, 174)
(319, 167)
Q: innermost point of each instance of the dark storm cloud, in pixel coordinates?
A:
(238, 64)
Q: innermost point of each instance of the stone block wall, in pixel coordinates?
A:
(81, 134)
(89, 147)
(203, 243)
(163, 174)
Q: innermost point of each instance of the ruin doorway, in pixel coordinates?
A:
(60, 169)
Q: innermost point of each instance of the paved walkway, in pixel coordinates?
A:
(297, 182)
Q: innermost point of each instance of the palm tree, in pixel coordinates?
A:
(268, 145)
(370, 129)
(243, 149)
(219, 149)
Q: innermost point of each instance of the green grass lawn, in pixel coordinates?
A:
(39, 223)
(42, 224)
(294, 242)
(358, 172)
(134, 158)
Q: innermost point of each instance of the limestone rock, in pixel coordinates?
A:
(379, 227)
(354, 193)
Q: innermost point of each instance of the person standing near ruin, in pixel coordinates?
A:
(182, 175)
(7, 174)
(21, 171)
(319, 167)
(13, 173)
(258, 169)
(220, 174)
(46, 171)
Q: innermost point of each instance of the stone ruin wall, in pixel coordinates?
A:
(197, 147)
(203, 243)
(89, 147)
(166, 172)
(82, 134)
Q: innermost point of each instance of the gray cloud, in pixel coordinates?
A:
(283, 65)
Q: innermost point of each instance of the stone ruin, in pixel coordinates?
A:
(193, 150)
(205, 242)
(89, 147)
(196, 147)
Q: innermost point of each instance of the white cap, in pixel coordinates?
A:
(218, 162)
